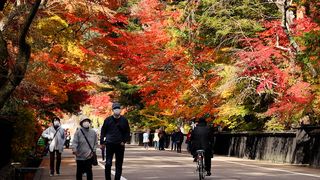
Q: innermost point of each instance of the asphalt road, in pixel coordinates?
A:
(141, 164)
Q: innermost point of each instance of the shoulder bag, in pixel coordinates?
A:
(94, 160)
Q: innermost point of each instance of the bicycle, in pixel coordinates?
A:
(201, 164)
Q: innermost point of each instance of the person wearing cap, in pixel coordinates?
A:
(81, 148)
(115, 132)
(201, 138)
(56, 138)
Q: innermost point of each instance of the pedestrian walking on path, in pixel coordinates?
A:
(179, 139)
(56, 138)
(174, 141)
(68, 139)
(162, 139)
(84, 146)
(188, 142)
(116, 132)
(156, 139)
(146, 139)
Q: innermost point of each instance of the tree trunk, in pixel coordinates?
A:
(14, 77)
(286, 25)
(2, 3)
(3, 60)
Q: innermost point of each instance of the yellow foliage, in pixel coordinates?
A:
(166, 113)
(74, 50)
(226, 49)
(231, 108)
(50, 26)
(228, 83)
(228, 73)
(186, 96)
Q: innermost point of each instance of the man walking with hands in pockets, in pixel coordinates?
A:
(116, 131)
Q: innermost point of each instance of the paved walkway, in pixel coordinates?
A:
(68, 168)
(141, 164)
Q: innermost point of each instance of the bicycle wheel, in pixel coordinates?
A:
(201, 168)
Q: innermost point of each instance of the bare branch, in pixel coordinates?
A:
(201, 94)
(19, 69)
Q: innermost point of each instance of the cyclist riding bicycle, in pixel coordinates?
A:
(202, 139)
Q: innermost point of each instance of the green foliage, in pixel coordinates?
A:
(24, 137)
(226, 22)
(127, 6)
(227, 85)
(134, 25)
(311, 41)
(230, 112)
(25, 131)
(136, 119)
(148, 118)
(126, 93)
(274, 125)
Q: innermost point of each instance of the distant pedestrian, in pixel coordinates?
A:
(68, 139)
(162, 139)
(115, 132)
(174, 141)
(188, 141)
(179, 139)
(84, 146)
(56, 138)
(146, 139)
(156, 139)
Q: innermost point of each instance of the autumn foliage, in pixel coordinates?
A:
(238, 67)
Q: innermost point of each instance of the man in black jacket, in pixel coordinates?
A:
(179, 139)
(202, 138)
(114, 134)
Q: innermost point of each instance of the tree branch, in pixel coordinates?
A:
(3, 60)
(19, 69)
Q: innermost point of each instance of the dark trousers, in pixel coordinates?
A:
(161, 144)
(118, 150)
(58, 162)
(207, 161)
(179, 147)
(103, 152)
(67, 143)
(173, 145)
(84, 166)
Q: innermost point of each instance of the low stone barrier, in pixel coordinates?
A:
(301, 146)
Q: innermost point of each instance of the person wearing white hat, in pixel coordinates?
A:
(84, 144)
(56, 136)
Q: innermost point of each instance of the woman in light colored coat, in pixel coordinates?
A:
(55, 135)
(81, 148)
(156, 139)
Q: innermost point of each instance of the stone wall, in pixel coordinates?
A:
(301, 146)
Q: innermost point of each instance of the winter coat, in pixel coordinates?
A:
(80, 145)
(57, 142)
(201, 138)
(179, 137)
(156, 137)
(145, 137)
(115, 130)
